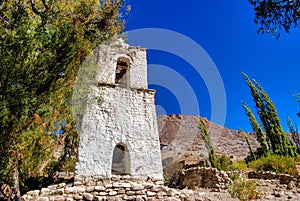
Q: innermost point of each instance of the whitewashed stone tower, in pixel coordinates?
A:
(119, 128)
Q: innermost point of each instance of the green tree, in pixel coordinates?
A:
(252, 155)
(275, 16)
(43, 43)
(279, 142)
(260, 135)
(208, 143)
(294, 133)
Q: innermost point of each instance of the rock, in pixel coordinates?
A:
(121, 191)
(296, 169)
(130, 193)
(88, 196)
(156, 188)
(278, 194)
(90, 189)
(78, 183)
(59, 191)
(42, 199)
(78, 197)
(24, 198)
(291, 185)
(116, 177)
(126, 197)
(99, 198)
(103, 193)
(188, 192)
(80, 189)
(33, 193)
(161, 194)
(150, 193)
(112, 193)
(100, 188)
(136, 187)
(140, 192)
(140, 199)
(59, 198)
(159, 182)
(121, 185)
(52, 187)
(91, 183)
(61, 185)
(148, 185)
(71, 190)
(171, 192)
(109, 185)
(45, 191)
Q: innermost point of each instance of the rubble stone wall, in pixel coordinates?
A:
(114, 189)
(124, 117)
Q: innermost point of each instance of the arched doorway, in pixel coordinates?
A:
(120, 162)
(122, 72)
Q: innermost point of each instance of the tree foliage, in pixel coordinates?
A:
(208, 143)
(294, 133)
(273, 16)
(260, 135)
(279, 142)
(43, 43)
(252, 155)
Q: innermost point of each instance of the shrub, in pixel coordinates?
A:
(223, 163)
(274, 163)
(238, 165)
(244, 189)
(234, 176)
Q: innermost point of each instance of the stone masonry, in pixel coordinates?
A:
(119, 134)
(116, 188)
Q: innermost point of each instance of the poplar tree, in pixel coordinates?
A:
(279, 142)
(294, 133)
(208, 143)
(252, 153)
(260, 135)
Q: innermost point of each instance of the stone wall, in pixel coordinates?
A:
(114, 116)
(107, 62)
(118, 127)
(283, 178)
(204, 177)
(113, 189)
(211, 178)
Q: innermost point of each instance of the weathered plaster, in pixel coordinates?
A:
(118, 115)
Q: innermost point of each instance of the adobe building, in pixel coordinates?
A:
(119, 134)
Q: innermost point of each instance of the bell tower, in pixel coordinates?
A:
(119, 134)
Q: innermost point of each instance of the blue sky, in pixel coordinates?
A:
(225, 30)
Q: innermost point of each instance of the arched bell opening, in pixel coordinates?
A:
(122, 72)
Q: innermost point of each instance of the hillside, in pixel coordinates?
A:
(181, 140)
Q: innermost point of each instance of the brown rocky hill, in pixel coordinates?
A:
(181, 140)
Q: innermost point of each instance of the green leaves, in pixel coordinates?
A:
(42, 46)
(275, 16)
(279, 142)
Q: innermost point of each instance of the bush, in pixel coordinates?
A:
(244, 189)
(234, 176)
(238, 165)
(223, 163)
(274, 163)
